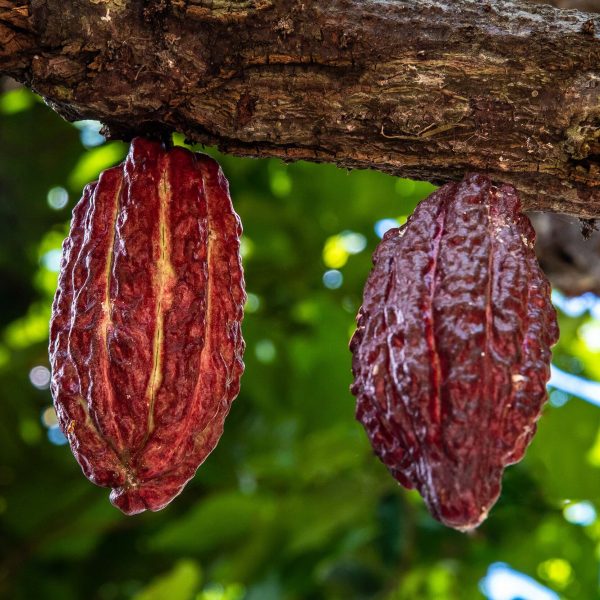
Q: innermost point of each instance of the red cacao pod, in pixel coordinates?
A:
(452, 351)
(145, 337)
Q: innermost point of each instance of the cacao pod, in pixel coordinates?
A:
(145, 337)
(452, 349)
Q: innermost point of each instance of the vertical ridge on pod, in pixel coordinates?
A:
(492, 326)
(110, 429)
(87, 344)
(163, 283)
(71, 408)
(137, 289)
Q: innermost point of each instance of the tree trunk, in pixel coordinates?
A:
(426, 89)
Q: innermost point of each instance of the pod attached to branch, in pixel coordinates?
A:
(145, 337)
(452, 352)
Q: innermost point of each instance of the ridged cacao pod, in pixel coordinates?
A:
(452, 351)
(145, 337)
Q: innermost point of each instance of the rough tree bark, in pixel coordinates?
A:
(420, 88)
(589, 5)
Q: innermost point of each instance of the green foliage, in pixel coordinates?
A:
(292, 504)
(179, 584)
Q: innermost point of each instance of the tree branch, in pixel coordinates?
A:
(425, 89)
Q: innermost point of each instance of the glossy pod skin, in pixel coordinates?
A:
(451, 355)
(145, 338)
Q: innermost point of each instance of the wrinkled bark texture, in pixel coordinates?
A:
(419, 88)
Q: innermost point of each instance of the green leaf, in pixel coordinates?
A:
(15, 101)
(181, 583)
(94, 161)
(216, 521)
(558, 456)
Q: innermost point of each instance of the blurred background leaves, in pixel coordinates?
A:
(292, 504)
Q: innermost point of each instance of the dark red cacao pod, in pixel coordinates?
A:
(145, 337)
(452, 350)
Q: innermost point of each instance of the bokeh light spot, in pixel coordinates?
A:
(557, 571)
(333, 279)
(56, 436)
(334, 253)
(339, 247)
(89, 133)
(384, 225)
(49, 417)
(349, 304)
(247, 483)
(577, 305)
(265, 351)
(246, 247)
(30, 431)
(281, 183)
(590, 334)
(15, 101)
(558, 398)
(216, 591)
(504, 583)
(51, 260)
(580, 513)
(252, 303)
(353, 242)
(40, 377)
(57, 198)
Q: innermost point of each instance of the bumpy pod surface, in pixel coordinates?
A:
(145, 337)
(452, 351)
